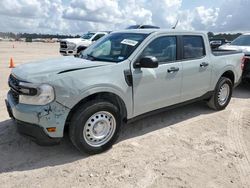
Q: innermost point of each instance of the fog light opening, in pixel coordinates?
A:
(51, 129)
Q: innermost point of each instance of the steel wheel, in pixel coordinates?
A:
(99, 128)
(223, 94)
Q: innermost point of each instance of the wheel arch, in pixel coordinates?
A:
(108, 96)
(230, 75)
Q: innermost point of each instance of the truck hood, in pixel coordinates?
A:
(245, 49)
(46, 70)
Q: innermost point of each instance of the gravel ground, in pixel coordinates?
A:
(190, 146)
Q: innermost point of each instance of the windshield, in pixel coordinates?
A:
(115, 47)
(243, 40)
(133, 27)
(87, 35)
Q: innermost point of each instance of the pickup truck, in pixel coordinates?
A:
(120, 78)
(143, 27)
(74, 45)
(241, 43)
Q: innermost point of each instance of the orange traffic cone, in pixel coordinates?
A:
(12, 65)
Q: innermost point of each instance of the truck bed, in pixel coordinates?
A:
(219, 52)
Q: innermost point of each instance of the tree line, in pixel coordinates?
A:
(211, 35)
(35, 35)
(227, 36)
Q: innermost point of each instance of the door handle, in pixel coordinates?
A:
(173, 69)
(204, 64)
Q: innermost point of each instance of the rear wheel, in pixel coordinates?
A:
(95, 127)
(222, 94)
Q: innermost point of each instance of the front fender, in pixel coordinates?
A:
(126, 96)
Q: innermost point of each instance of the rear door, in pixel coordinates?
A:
(155, 88)
(196, 67)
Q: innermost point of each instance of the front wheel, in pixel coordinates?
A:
(95, 127)
(222, 94)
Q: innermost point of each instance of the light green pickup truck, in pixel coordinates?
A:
(119, 78)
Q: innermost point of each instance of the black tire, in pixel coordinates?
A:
(214, 100)
(80, 119)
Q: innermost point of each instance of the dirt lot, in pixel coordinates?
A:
(191, 146)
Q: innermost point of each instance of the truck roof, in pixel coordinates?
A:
(148, 31)
(97, 32)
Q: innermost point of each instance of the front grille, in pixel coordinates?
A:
(63, 44)
(14, 87)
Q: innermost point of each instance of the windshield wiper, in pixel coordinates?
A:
(93, 58)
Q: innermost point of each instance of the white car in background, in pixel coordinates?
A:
(71, 46)
(240, 43)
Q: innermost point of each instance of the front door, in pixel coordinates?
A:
(155, 88)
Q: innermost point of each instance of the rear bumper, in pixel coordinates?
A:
(246, 75)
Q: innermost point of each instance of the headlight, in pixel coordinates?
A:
(36, 94)
(71, 45)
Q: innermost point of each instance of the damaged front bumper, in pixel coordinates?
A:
(35, 121)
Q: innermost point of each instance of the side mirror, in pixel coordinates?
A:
(147, 62)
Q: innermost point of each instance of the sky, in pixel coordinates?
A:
(78, 16)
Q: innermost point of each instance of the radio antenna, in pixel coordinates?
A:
(175, 24)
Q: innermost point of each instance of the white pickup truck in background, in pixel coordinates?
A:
(240, 43)
(72, 46)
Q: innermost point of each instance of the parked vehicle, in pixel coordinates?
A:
(81, 48)
(143, 27)
(241, 43)
(246, 69)
(215, 43)
(120, 78)
(73, 46)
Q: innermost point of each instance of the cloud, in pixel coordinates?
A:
(205, 18)
(92, 11)
(20, 8)
(234, 16)
(41, 16)
(78, 16)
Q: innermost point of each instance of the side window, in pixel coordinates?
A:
(193, 47)
(97, 37)
(163, 48)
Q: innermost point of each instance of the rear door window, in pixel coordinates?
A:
(193, 47)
